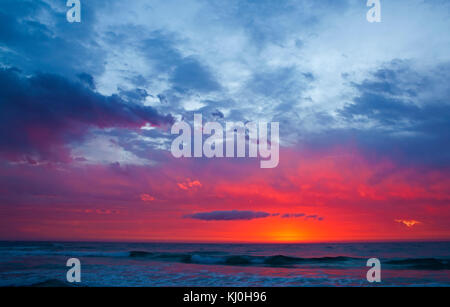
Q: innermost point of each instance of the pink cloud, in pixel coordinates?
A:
(189, 184)
(147, 197)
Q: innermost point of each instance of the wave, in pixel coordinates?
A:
(289, 261)
(20, 253)
(422, 263)
(222, 258)
(239, 260)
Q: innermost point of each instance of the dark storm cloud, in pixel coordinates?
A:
(41, 114)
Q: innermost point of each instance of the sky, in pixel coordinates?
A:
(86, 111)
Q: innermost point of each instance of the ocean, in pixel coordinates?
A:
(236, 265)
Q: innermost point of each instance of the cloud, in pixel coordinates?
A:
(300, 215)
(40, 115)
(292, 215)
(217, 114)
(190, 74)
(189, 184)
(147, 197)
(233, 215)
(245, 215)
(401, 111)
(400, 96)
(39, 38)
(102, 211)
(409, 223)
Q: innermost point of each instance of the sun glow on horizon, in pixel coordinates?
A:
(285, 234)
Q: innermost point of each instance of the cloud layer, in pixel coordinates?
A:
(364, 112)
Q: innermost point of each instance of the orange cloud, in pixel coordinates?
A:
(408, 223)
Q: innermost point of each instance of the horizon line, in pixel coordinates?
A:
(230, 242)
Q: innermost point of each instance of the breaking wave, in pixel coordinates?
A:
(222, 258)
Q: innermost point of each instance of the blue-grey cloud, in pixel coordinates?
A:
(190, 74)
(409, 112)
(400, 112)
(54, 47)
(187, 74)
(293, 215)
(41, 114)
(233, 215)
(302, 215)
